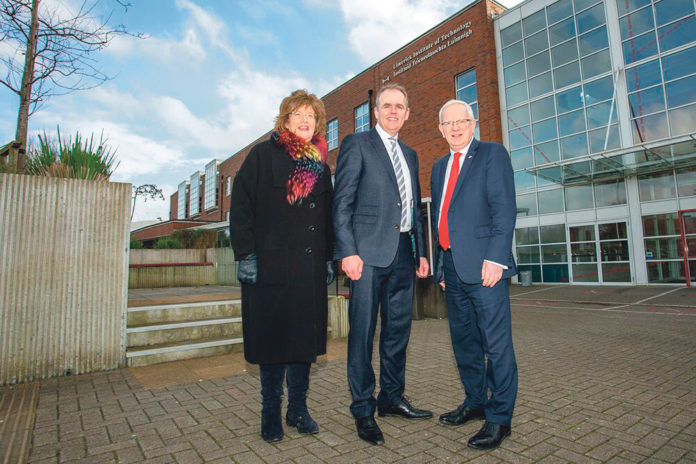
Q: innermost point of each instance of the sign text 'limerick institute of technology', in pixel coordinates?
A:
(433, 48)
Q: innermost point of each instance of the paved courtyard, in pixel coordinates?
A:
(606, 375)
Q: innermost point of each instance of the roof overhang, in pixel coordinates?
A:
(654, 156)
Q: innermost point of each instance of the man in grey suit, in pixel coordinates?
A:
(378, 227)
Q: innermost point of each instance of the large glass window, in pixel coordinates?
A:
(663, 250)
(362, 118)
(466, 91)
(195, 194)
(182, 200)
(211, 184)
(332, 134)
(657, 186)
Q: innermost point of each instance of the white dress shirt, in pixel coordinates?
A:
(404, 168)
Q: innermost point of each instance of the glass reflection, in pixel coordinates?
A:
(676, 34)
(550, 201)
(579, 197)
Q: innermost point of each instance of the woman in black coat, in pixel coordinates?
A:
(281, 233)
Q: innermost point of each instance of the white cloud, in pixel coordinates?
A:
(377, 29)
(188, 47)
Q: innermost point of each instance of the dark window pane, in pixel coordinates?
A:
(636, 23)
(593, 41)
(545, 130)
(569, 100)
(571, 123)
(536, 43)
(536, 272)
(562, 31)
(616, 272)
(553, 234)
(564, 53)
(658, 186)
(661, 224)
(677, 33)
(466, 78)
(513, 54)
(596, 64)
(528, 254)
(585, 273)
(533, 23)
(663, 248)
(583, 252)
(614, 251)
(468, 94)
(555, 273)
(601, 89)
(579, 197)
(554, 253)
(538, 63)
(527, 236)
(590, 19)
(668, 10)
(645, 75)
(647, 101)
(640, 47)
(679, 64)
(559, 10)
(526, 205)
(566, 75)
(510, 34)
(550, 201)
(573, 146)
(612, 231)
(686, 181)
(666, 272)
(540, 84)
(582, 234)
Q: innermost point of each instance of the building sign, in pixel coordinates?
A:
(428, 51)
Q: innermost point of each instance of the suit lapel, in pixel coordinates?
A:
(381, 151)
(469, 159)
(439, 184)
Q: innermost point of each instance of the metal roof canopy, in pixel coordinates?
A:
(615, 164)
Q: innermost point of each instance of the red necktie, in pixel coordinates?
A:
(443, 228)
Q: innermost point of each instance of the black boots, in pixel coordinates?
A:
(271, 397)
(298, 384)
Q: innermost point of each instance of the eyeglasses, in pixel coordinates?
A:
(310, 116)
(458, 122)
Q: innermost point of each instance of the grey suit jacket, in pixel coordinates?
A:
(367, 205)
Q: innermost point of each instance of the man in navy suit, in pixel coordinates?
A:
(474, 215)
(378, 227)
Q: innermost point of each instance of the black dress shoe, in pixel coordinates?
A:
(404, 409)
(489, 437)
(368, 430)
(461, 415)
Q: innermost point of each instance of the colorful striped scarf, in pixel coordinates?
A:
(309, 158)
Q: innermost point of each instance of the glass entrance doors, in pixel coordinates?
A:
(600, 254)
(687, 225)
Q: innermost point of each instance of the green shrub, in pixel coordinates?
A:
(136, 245)
(77, 159)
(168, 243)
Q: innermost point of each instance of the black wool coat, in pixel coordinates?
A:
(284, 314)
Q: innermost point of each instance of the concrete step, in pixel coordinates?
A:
(165, 352)
(191, 311)
(181, 331)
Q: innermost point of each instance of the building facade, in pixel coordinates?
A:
(598, 105)
(595, 101)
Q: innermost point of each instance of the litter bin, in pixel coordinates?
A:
(526, 278)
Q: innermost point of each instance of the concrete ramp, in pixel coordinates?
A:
(17, 413)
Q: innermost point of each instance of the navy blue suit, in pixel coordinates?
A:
(481, 220)
(366, 217)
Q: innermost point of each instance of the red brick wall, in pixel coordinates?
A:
(173, 206)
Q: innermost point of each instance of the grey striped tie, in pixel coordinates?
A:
(400, 181)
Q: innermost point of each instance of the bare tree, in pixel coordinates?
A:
(147, 191)
(52, 52)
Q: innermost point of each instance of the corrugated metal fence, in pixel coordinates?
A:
(63, 276)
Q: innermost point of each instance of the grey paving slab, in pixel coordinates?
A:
(596, 385)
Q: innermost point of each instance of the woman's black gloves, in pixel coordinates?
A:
(248, 269)
(330, 272)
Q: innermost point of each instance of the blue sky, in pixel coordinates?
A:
(209, 76)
